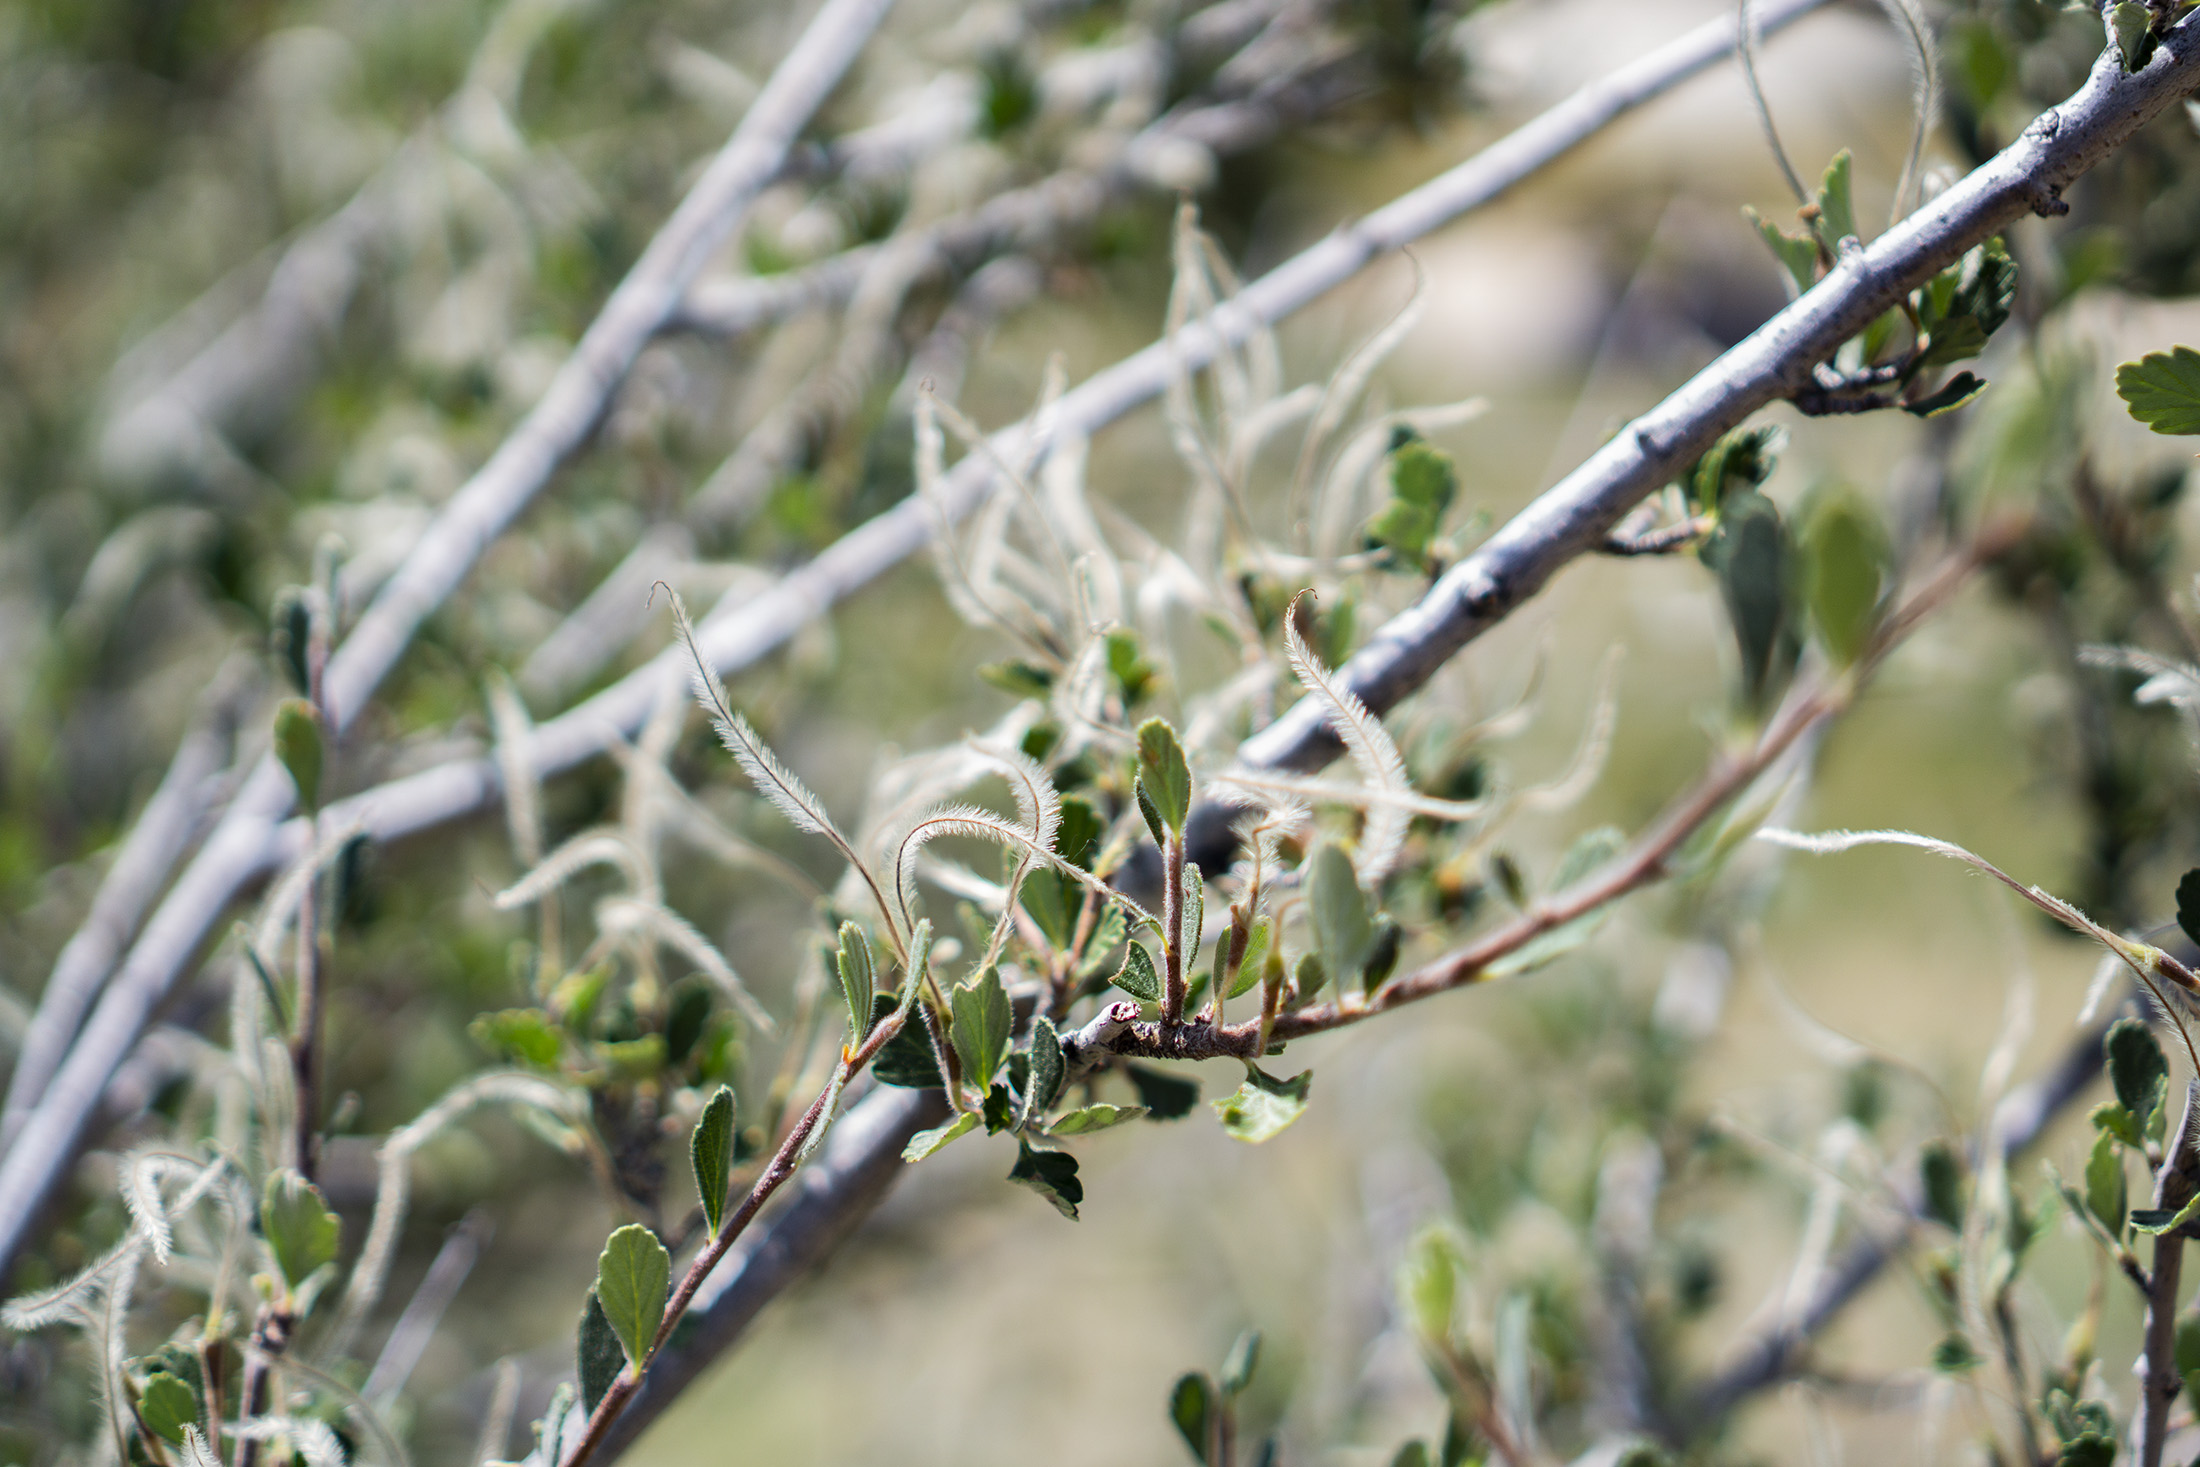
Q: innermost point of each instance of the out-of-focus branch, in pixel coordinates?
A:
(552, 430)
(248, 842)
(164, 829)
(2023, 1116)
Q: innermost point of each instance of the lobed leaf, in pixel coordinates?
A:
(1260, 1108)
(2162, 390)
(300, 1230)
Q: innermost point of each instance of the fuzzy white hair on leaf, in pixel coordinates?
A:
(970, 820)
(1595, 747)
(2144, 961)
(601, 847)
(515, 733)
(662, 924)
(312, 1437)
(1383, 833)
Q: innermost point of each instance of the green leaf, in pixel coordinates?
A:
(1256, 954)
(1382, 955)
(998, 1110)
(1413, 1454)
(1797, 252)
(1106, 933)
(1836, 219)
(1428, 1283)
(2188, 904)
(2105, 1185)
(924, 1143)
(1094, 1118)
(1590, 850)
(1019, 679)
(710, 1150)
(300, 1230)
(1749, 553)
(688, 1018)
(1191, 1405)
(2162, 390)
(1980, 291)
(1260, 1108)
(633, 1059)
(2133, 26)
(633, 1278)
(2137, 1070)
(2112, 1119)
(1051, 899)
(906, 1059)
(298, 745)
(167, 1405)
(2155, 1221)
(1133, 674)
(1954, 1356)
(2185, 1353)
(1845, 557)
(1150, 812)
(526, 1035)
(1048, 1067)
(598, 1353)
(1238, 1366)
(1344, 930)
(1137, 976)
(1051, 1174)
(1077, 838)
(1741, 459)
(1164, 1097)
(858, 979)
(1940, 1177)
(1164, 773)
(2088, 1449)
(980, 1026)
(1423, 482)
(1957, 391)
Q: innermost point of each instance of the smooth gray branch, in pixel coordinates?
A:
(1775, 363)
(553, 429)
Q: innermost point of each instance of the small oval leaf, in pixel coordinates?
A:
(710, 1149)
(633, 1278)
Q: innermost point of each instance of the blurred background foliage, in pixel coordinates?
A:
(473, 178)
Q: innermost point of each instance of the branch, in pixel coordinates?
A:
(1775, 363)
(2159, 1379)
(163, 831)
(248, 843)
(552, 430)
(1650, 858)
(2022, 1117)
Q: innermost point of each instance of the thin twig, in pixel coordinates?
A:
(2159, 1378)
(1650, 858)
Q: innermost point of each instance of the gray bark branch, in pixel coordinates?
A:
(552, 430)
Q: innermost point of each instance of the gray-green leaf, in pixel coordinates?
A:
(298, 746)
(1190, 1406)
(301, 1231)
(1836, 219)
(1094, 1118)
(1044, 1081)
(598, 1354)
(858, 978)
(979, 1028)
(1844, 565)
(710, 1149)
(1263, 1105)
(1137, 976)
(2137, 1071)
(167, 1405)
(1749, 552)
(1051, 1174)
(1164, 772)
(633, 1278)
(1344, 929)
(924, 1143)
(2105, 1185)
